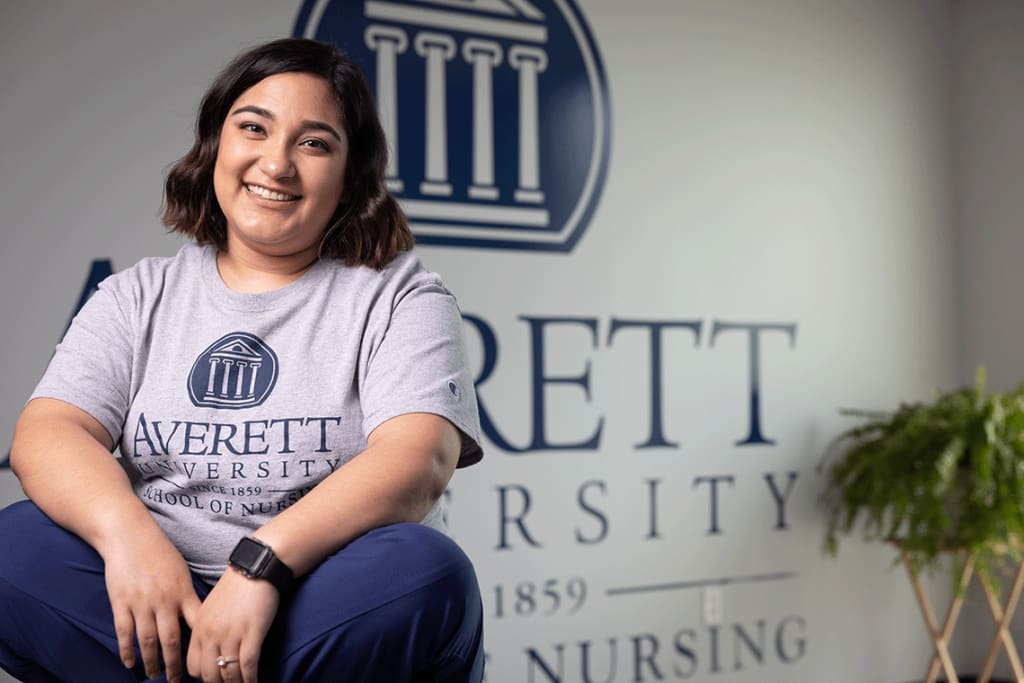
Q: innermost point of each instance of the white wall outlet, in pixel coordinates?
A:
(711, 606)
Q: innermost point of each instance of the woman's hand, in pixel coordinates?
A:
(232, 622)
(150, 589)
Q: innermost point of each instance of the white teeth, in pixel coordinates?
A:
(269, 194)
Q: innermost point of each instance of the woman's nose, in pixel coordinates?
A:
(276, 161)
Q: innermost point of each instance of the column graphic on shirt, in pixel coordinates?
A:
(495, 112)
(238, 370)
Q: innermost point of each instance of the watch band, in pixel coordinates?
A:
(257, 560)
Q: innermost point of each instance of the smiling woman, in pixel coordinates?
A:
(366, 225)
(290, 397)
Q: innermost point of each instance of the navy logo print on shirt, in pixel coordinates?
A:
(238, 370)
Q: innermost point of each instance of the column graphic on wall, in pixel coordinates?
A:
(496, 112)
(437, 49)
(530, 62)
(388, 42)
(485, 55)
(485, 37)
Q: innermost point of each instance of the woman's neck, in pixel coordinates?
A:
(248, 272)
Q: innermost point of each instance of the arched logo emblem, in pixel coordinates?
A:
(238, 370)
(496, 112)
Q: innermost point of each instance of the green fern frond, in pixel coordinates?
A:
(938, 476)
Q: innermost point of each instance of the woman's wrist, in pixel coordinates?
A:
(256, 560)
(107, 531)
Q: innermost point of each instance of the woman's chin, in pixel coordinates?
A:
(274, 246)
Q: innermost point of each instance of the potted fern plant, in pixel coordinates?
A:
(934, 477)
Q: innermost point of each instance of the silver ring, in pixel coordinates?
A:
(223, 661)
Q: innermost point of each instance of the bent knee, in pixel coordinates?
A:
(420, 555)
(17, 515)
(20, 529)
(38, 551)
(422, 544)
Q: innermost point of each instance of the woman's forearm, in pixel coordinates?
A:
(62, 457)
(405, 469)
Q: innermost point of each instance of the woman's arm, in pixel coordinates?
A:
(62, 456)
(405, 468)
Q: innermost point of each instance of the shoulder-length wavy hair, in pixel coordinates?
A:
(368, 226)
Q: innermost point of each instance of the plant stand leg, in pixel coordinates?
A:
(941, 658)
(1002, 616)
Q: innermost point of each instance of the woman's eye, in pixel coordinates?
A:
(316, 144)
(251, 128)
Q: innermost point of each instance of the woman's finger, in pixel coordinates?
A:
(149, 643)
(169, 629)
(194, 658)
(249, 660)
(231, 672)
(190, 608)
(124, 628)
(226, 654)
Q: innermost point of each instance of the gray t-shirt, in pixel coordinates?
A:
(228, 407)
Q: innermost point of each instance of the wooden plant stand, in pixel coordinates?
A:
(1001, 615)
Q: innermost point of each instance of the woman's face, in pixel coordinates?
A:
(280, 165)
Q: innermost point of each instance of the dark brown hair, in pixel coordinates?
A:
(368, 227)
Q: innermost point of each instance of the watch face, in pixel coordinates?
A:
(247, 554)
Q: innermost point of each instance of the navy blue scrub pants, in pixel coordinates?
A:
(400, 604)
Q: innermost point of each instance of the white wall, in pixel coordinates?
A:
(789, 162)
(990, 165)
(989, 43)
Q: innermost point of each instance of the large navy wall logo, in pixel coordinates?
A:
(237, 371)
(496, 112)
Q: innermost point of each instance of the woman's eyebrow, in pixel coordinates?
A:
(320, 125)
(253, 109)
(307, 123)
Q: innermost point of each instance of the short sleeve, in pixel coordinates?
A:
(419, 364)
(91, 367)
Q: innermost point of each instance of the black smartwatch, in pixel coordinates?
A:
(256, 560)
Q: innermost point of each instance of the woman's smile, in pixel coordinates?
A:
(269, 194)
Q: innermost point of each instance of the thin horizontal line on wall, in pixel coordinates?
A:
(702, 583)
